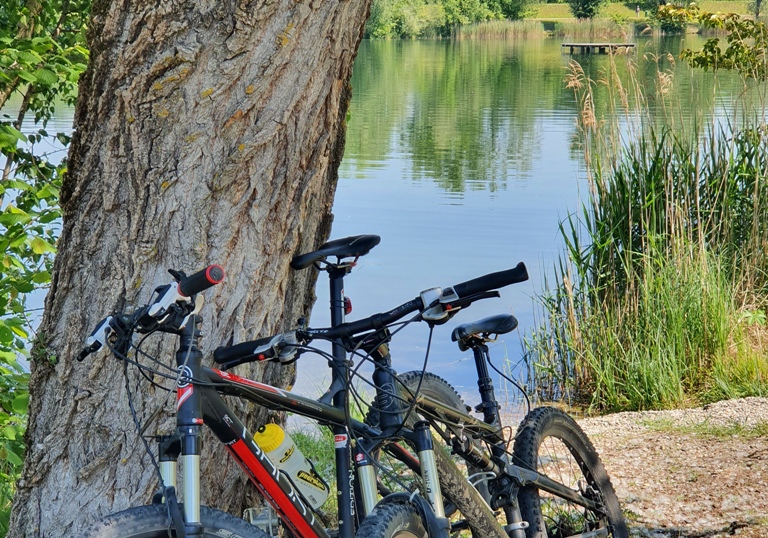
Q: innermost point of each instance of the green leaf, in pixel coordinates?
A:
(21, 403)
(18, 185)
(9, 358)
(6, 335)
(41, 277)
(46, 76)
(49, 216)
(18, 331)
(25, 76)
(30, 57)
(41, 246)
(25, 287)
(13, 215)
(48, 191)
(10, 136)
(12, 457)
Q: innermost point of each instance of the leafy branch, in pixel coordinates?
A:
(42, 54)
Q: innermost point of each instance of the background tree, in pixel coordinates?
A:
(201, 136)
(421, 18)
(585, 9)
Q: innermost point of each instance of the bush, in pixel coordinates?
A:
(585, 9)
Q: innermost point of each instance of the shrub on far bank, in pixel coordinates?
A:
(586, 9)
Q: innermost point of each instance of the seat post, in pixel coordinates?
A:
(340, 380)
(489, 406)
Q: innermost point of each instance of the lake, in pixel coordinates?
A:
(464, 157)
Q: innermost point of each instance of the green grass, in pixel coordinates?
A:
(616, 21)
(648, 310)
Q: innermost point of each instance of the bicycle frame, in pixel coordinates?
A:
(200, 403)
(521, 475)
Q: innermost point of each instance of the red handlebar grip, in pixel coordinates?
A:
(202, 280)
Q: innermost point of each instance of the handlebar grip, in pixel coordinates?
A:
(202, 280)
(492, 281)
(224, 355)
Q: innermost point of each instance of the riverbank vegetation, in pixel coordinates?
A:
(523, 18)
(660, 299)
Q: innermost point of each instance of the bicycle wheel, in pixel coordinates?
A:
(430, 385)
(460, 501)
(550, 442)
(152, 521)
(393, 521)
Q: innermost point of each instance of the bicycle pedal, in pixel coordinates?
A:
(266, 520)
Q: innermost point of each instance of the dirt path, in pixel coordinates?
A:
(694, 473)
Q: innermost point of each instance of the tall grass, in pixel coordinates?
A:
(501, 29)
(595, 30)
(659, 299)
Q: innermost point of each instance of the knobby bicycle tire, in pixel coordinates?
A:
(152, 521)
(472, 503)
(430, 385)
(393, 521)
(550, 442)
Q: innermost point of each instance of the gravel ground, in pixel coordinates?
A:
(694, 473)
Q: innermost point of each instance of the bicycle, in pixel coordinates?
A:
(407, 411)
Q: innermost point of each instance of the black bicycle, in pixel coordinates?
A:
(551, 483)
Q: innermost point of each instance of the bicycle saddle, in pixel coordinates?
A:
(348, 247)
(499, 324)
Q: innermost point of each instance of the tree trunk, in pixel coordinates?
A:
(206, 132)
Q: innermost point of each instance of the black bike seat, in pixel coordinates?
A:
(348, 247)
(499, 324)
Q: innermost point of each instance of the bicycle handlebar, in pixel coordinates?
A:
(453, 297)
(472, 289)
(244, 350)
(492, 281)
(202, 280)
(172, 298)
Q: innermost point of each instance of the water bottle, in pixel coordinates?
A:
(285, 455)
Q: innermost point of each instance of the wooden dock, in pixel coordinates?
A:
(598, 48)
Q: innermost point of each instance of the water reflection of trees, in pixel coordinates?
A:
(466, 115)
(471, 115)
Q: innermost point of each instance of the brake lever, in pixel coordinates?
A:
(449, 304)
(466, 301)
(97, 338)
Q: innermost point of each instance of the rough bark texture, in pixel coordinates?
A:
(207, 131)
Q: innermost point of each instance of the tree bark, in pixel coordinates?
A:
(206, 132)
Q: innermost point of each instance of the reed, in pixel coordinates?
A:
(596, 29)
(659, 298)
(501, 29)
